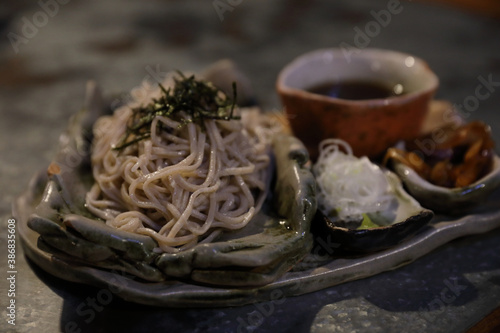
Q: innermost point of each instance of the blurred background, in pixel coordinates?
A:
(50, 48)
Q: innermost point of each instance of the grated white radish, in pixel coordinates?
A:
(348, 185)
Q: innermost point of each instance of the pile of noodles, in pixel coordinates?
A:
(187, 182)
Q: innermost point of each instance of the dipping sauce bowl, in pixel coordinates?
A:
(370, 98)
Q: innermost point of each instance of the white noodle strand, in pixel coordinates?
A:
(182, 186)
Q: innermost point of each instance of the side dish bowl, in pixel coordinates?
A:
(450, 201)
(403, 220)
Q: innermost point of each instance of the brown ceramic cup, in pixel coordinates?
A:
(371, 125)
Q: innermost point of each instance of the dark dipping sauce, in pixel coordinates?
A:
(355, 90)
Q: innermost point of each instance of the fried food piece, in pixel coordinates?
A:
(464, 156)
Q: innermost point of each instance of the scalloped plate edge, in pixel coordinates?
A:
(179, 294)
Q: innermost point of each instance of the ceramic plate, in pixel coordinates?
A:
(215, 284)
(271, 244)
(317, 271)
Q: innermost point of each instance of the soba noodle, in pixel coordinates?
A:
(185, 183)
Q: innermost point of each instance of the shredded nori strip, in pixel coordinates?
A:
(197, 99)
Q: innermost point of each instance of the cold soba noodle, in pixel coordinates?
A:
(178, 175)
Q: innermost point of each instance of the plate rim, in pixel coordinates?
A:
(293, 283)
